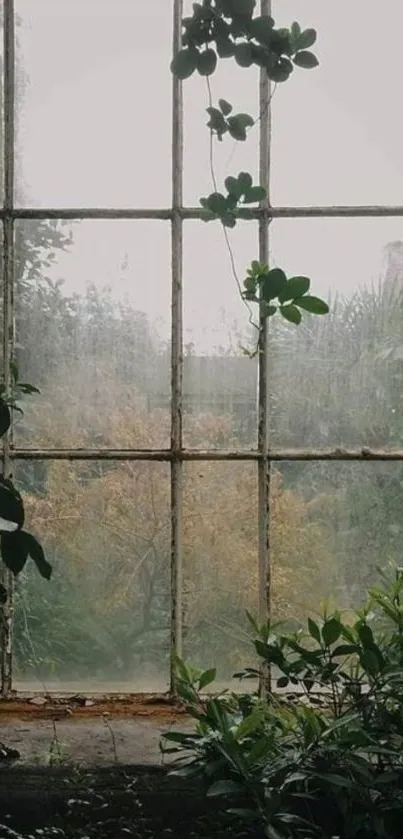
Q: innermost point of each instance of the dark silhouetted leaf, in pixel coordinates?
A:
(225, 106)
(225, 47)
(261, 28)
(305, 59)
(3, 594)
(306, 39)
(5, 417)
(184, 63)
(11, 507)
(280, 71)
(35, 551)
(14, 551)
(331, 631)
(243, 55)
(207, 62)
(314, 630)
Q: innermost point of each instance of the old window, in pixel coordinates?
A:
(173, 481)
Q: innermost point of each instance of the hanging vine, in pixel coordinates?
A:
(229, 29)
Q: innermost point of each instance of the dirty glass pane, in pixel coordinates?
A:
(102, 622)
(337, 130)
(336, 380)
(220, 381)
(97, 102)
(220, 565)
(92, 324)
(332, 526)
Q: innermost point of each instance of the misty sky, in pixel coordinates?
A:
(96, 132)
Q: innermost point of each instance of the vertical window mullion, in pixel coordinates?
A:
(8, 314)
(264, 466)
(176, 352)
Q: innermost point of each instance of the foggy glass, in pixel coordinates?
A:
(92, 333)
(337, 130)
(220, 564)
(102, 623)
(91, 133)
(332, 526)
(335, 380)
(219, 381)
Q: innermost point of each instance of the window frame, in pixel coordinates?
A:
(176, 215)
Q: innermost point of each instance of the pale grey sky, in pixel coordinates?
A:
(96, 131)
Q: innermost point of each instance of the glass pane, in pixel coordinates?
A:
(93, 333)
(92, 132)
(220, 564)
(220, 382)
(333, 526)
(338, 379)
(101, 623)
(337, 133)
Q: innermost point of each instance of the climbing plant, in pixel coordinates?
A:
(16, 544)
(230, 29)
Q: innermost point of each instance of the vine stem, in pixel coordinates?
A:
(224, 229)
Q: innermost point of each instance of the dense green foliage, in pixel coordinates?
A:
(325, 761)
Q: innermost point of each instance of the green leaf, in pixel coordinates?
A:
(14, 551)
(272, 284)
(233, 187)
(295, 32)
(243, 55)
(207, 678)
(270, 310)
(225, 47)
(314, 630)
(249, 724)
(331, 631)
(261, 28)
(11, 507)
(283, 682)
(27, 388)
(365, 635)
(291, 313)
(312, 304)
(228, 220)
(245, 181)
(224, 787)
(216, 122)
(255, 193)
(184, 63)
(236, 129)
(217, 203)
(306, 39)
(296, 287)
(280, 71)
(206, 62)
(345, 649)
(225, 107)
(5, 417)
(305, 59)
